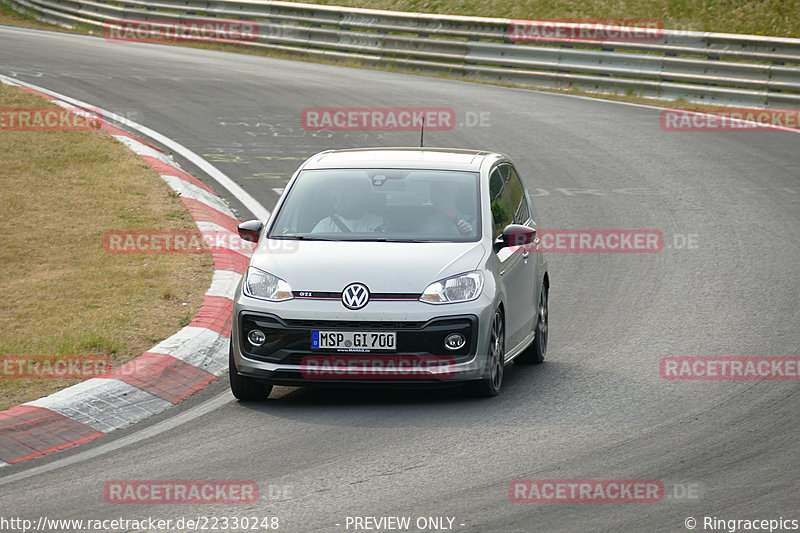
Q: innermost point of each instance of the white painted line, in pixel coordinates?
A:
(199, 347)
(103, 404)
(224, 283)
(2, 464)
(189, 190)
(243, 196)
(278, 190)
(190, 414)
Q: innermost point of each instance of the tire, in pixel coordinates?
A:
(242, 387)
(534, 354)
(490, 386)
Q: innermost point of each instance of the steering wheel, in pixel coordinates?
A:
(438, 225)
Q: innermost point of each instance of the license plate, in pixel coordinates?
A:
(354, 341)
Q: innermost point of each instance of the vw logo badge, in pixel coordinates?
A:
(355, 296)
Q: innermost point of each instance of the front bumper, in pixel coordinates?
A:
(283, 359)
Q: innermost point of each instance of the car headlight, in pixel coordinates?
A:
(260, 284)
(461, 288)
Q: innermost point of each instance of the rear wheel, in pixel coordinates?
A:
(242, 387)
(490, 385)
(534, 354)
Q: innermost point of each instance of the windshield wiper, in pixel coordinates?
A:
(301, 238)
(339, 239)
(388, 239)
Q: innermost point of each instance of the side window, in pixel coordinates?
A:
(500, 203)
(516, 191)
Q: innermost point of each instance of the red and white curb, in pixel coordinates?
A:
(163, 376)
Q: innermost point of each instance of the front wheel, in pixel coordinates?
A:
(242, 387)
(490, 385)
(534, 354)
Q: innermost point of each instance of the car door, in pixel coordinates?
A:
(512, 265)
(528, 270)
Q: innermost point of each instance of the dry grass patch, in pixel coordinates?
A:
(62, 294)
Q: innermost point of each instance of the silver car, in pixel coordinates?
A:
(392, 266)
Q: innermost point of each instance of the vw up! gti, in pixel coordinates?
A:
(392, 266)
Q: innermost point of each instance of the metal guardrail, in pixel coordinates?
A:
(723, 69)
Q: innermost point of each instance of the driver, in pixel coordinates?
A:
(443, 197)
(349, 213)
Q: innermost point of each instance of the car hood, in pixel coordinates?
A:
(395, 267)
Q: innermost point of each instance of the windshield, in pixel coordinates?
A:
(381, 205)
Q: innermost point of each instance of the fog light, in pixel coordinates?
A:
(256, 337)
(455, 341)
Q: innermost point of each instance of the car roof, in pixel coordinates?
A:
(402, 157)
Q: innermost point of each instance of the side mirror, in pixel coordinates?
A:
(250, 230)
(515, 235)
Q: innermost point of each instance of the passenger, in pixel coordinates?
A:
(349, 212)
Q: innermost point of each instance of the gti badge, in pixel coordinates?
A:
(355, 296)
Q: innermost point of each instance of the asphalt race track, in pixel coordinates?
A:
(597, 409)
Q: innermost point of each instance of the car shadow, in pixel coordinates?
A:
(450, 405)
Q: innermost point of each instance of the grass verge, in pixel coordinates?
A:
(13, 18)
(755, 17)
(62, 294)
(777, 18)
